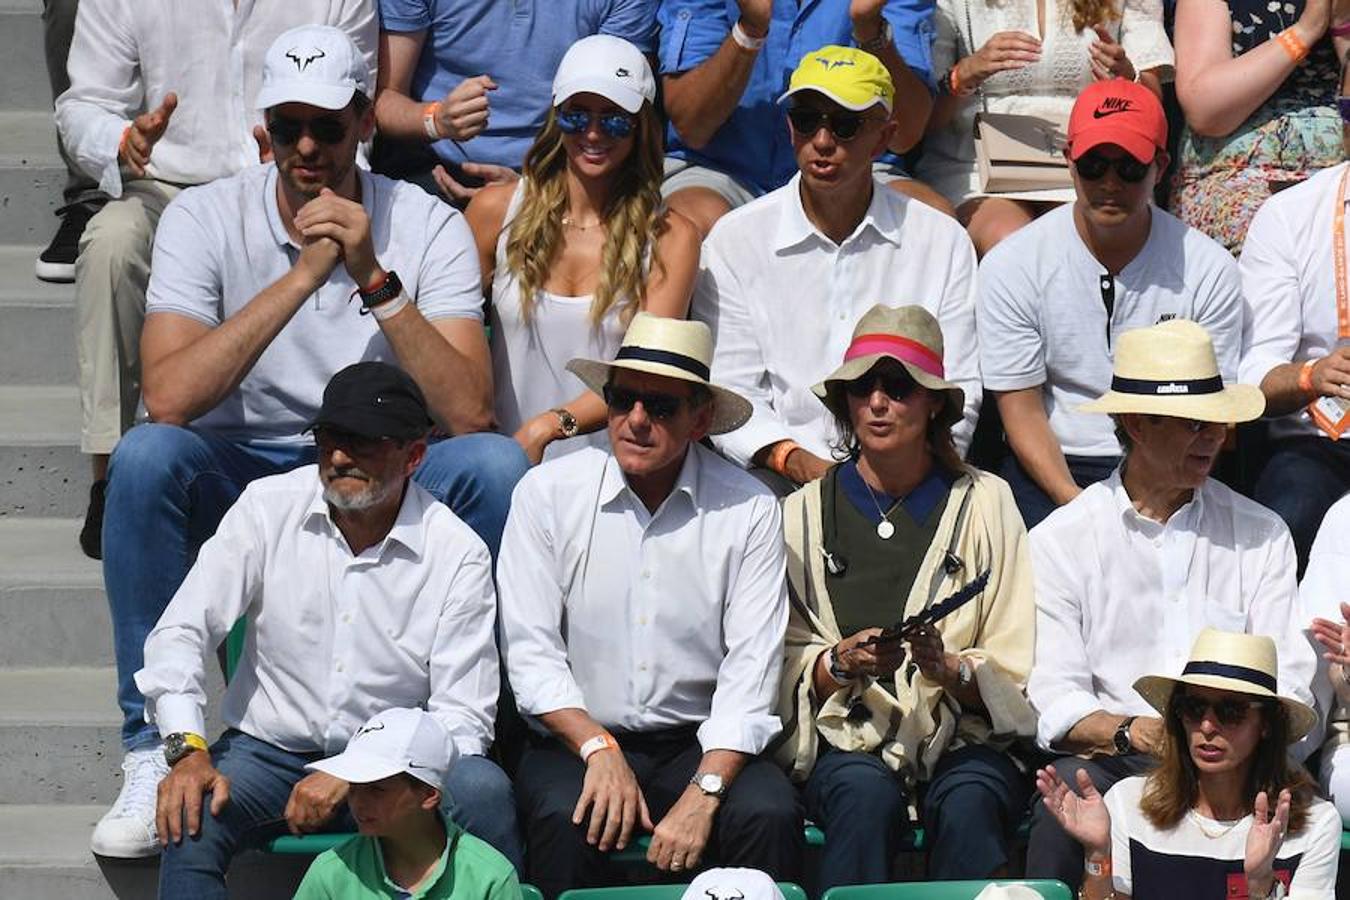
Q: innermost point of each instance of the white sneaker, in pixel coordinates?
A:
(127, 831)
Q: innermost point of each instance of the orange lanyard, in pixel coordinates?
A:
(1338, 251)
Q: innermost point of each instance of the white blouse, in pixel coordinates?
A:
(529, 359)
(1047, 87)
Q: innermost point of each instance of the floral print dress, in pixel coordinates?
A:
(1220, 182)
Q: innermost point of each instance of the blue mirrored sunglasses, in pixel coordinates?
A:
(577, 121)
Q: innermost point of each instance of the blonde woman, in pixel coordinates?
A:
(579, 245)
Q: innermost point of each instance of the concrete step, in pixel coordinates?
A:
(44, 853)
(59, 736)
(32, 174)
(25, 85)
(37, 323)
(42, 472)
(52, 608)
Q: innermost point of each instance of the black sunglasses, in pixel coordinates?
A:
(1229, 711)
(577, 121)
(1093, 166)
(327, 438)
(656, 404)
(895, 385)
(806, 121)
(324, 129)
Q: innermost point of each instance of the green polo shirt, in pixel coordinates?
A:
(468, 870)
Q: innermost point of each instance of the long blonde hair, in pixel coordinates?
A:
(634, 219)
(1088, 13)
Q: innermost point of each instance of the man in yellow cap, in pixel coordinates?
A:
(785, 277)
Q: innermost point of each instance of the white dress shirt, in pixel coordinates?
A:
(1043, 321)
(126, 55)
(1119, 595)
(1289, 282)
(782, 299)
(646, 620)
(333, 638)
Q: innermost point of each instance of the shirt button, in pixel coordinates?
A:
(347, 617)
(642, 620)
(338, 667)
(646, 574)
(642, 667)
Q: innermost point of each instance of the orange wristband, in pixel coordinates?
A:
(1293, 45)
(429, 121)
(1305, 382)
(122, 144)
(777, 460)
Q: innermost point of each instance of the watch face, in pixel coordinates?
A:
(710, 782)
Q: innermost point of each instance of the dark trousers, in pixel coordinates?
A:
(758, 825)
(1300, 481)
(1034, 503)
(1051, 852)
(971, 809)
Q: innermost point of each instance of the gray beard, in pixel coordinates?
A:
(371, 495)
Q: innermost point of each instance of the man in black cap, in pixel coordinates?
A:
(361, 592)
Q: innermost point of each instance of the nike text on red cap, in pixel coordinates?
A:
(1118, 112)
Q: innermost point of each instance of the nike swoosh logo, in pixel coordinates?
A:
(1098, 114)
(413, 765)
(369, 728)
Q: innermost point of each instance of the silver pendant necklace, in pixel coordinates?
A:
(885, 528)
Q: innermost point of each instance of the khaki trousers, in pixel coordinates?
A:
(111, 276)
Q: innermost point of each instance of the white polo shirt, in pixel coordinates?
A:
(782, 299)
(1289, 281)
(1042, 319)
(219, 245)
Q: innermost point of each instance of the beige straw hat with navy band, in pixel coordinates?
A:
(1171, 370)
(1230, 661)
(674, 348)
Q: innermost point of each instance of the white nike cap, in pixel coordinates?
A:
(605, 65)
(732, 884)
(318, 65)
(394, 741)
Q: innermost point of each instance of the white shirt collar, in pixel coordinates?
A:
(882, 216)
(1186, 514)
(614, 484)
(408, 528)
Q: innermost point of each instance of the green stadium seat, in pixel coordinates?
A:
(941, 890)
(307, 844)
(658, 892)
(530, 892)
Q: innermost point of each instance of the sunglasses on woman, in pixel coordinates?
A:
(895, 385)
(578, 121)
(324, 129)
(1093, 165)
(806, 121)
(1228, 711)
(656, 404)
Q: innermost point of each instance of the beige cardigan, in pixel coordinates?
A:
(994, 632)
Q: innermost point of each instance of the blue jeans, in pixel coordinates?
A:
(1300, 481)
(168, 488)
(971, 808)
(261, 778)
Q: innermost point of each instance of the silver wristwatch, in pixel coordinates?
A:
(709, 783)
(878, 43)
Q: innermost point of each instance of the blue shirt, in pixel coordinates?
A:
(517, 42)
(753, 145)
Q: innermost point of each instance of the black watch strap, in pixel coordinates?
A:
(388, 290)
(1122, 736)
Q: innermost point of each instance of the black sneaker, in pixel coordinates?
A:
(57, 262)
(91, 535)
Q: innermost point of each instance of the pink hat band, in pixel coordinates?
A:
(902, 348)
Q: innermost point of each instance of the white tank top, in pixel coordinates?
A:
(529, 360)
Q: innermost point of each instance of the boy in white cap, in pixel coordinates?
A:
(396, 765)
(265, 284)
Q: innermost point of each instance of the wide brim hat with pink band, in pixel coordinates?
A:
(910, 336)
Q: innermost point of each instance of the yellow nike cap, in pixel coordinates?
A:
(853, 78)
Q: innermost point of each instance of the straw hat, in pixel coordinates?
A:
(910, 336)
(1230, 661)
(673, 348)
(1170, 370)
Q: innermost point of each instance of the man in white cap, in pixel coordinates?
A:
(265, 284)
(785, 277)
(1131, 570)
(360, 592)
(396, 765)
(643, 608)
(159, 98)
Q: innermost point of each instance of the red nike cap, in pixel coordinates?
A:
(1118, 112)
